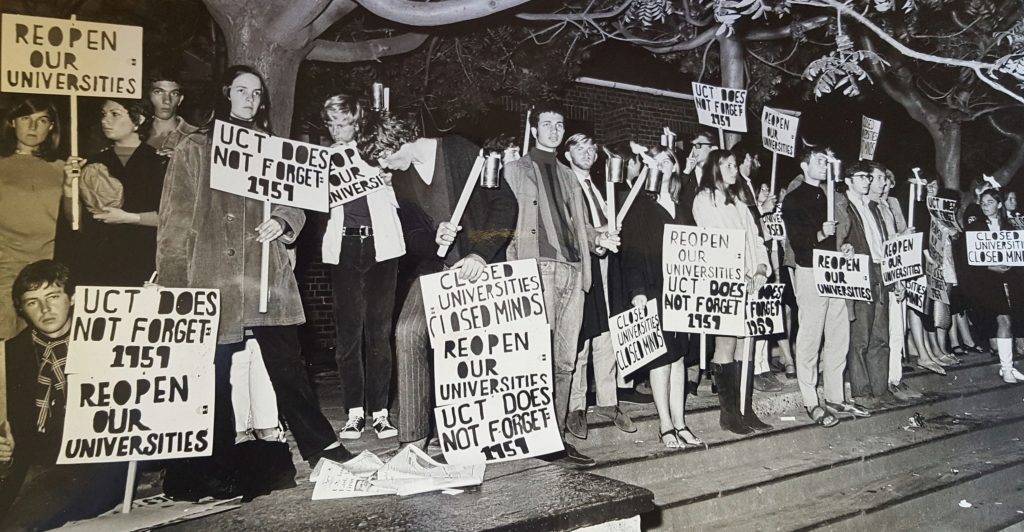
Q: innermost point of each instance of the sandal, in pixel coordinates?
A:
(687, 438)
(960, 351)
(822, 417)
(976, 349)
(674, 444)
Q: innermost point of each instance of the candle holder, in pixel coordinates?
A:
(492, 170)
(378, 96)
(613, 169)
(653, 183)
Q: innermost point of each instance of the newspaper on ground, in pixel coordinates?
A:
(409, 472)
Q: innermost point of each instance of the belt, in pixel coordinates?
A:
(361, 231)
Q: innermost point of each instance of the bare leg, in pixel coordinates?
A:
(660, 389)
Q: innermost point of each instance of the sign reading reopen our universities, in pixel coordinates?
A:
(636, 337)
(140, 374)
(721, 107)
(778, 131)
(351, 177)
(838, 276)
(995, 248)
(492, 363)
(903, 258)
(257, 165)
(70, 57)
(764, 312)
(704, 284)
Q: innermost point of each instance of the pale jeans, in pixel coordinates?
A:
(820, 316)
(252, 394)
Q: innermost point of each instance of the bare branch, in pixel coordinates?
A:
(436, 13)
(702, 38)
(289, 21)
(369, 50)
(694, 22)
(785, 32)
(577, 16)
(777, 65)
(994, 109)
(334, 12)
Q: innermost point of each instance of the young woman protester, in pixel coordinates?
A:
(722, 202)
(641, 255)
(989, 305)
(31, 180)
(210, 238)
(120, 193)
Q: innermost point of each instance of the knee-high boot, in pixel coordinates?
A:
(748, 416)
(728, 397)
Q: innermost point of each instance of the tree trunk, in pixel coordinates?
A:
(947, 135)
(731, 59)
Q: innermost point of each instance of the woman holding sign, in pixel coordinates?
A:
(641, 257)
(210, 238)
(120, 188)
(722, 202)
(31, 179)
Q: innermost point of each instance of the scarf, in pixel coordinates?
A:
(53, 354)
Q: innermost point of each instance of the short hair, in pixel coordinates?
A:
(810, 150)
(222, 107)
(386, 134)
(859, 167)
(546, 106)
(577, 138)
(37, 275)
(341, 103)
(139, 113)
(157, 74)
(706, 132)
(30, 106)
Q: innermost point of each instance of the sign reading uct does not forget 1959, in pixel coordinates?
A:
(140, 374)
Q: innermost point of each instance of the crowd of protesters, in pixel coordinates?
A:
(148, 206)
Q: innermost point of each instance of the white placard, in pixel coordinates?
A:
(916, 293)
(764, 311)
(944, 210)
(774, 227)
(995, 248)
(838, 276)
(140, 374)
(257, 165)
(869, 130)
(704, 283)
(636, 337)
(903, 258)
(502, 427)
(778, 131)
(351, 177)
(721, 107)
(72, 57)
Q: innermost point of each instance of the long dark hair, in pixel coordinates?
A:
(712, 179)
(222, 107)
(29, 106)
(1001, 212)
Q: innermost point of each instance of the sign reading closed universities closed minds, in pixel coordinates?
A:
(778, 131)
(764, 310)
(721, 107)
(492, 364)
(902, 258)
(704, 284)
(995, 248)
(257, 165)
(351, 177)
(636, 337)
(71, 57)
(916, 290)
(835, 275)
(869, 130)
(140, 374)
(773, 225)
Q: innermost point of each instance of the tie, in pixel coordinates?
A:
(601, 220)
(51, 374)
(876, 211)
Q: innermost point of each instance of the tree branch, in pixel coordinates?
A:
(369, 50)
(436, 13)
(701, 39)
(576, 16)
(289, 21)
(334, 12)
(785, 32)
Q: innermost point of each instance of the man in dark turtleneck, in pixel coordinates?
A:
(551, 227)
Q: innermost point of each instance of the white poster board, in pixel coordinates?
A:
(257, 165)
(492, 364)
(764, 311)
(995, 248)
(778, 131)
(721, 107)
(944, 210)
(916, 292)
(704, 288)
(838, 276)
(70, 57)
(140, 374)
(774, 226)
(636, 337)
(351, 177)
(903, 258)
(869, 130)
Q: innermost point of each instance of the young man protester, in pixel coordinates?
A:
(805, 214)
(165, 93)
(595, 339)
(551, 228)
(35, 493)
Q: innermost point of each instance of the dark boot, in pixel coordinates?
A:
(748, 417)
(728, 397)
(269, 467)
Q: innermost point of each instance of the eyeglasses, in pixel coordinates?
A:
(862, 175)
(702, 144)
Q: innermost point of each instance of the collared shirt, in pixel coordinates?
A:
(871, 229)
(593, 196)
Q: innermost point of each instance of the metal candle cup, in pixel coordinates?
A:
(492, 171)
(378, 96)
(653, 183)
(613, 169)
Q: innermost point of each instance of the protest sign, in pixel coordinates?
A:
(916, 292)
(492, 363)
(721, 107)
(261, 166)
(773, 225)
(140, 374)
(350, 176)
(838, 276)
(636, 337)
(778, 131)
(764, 311)
(903, 258)
(995, 248)
(944, 210)
(70, 57)
(704, 283)
(869, 129)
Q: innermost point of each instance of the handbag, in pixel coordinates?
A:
(100, 190)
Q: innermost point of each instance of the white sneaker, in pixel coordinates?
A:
(353, 428)
(383, 427)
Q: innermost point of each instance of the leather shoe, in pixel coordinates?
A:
(849, 409)
(576, 458)
(337, 454)
(616, 415)
(904, 392)
(766, 382)
(576, 423)
(629, 395)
